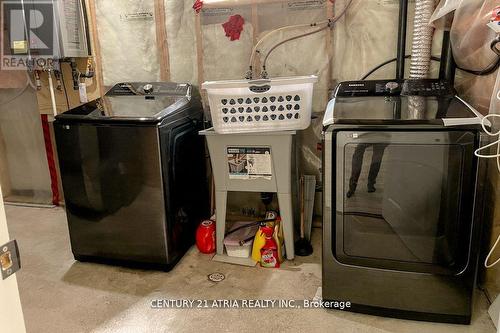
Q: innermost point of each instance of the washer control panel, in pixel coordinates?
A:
(150, 88)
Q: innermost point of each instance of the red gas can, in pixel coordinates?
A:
(205, 237)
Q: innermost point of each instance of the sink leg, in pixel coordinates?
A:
(220, 225)
(286, 213)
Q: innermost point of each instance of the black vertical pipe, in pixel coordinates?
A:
(447, 66)
(444, 54)
(403, 20)
(451, 66)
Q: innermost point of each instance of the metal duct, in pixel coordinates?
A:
(421, 52)
(422, 39)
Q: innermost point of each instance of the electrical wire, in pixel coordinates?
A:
(330, 24)
(373, 70)
(493, 45)
(496, 143)
(490, 253)
(478, 153)
(493, 66)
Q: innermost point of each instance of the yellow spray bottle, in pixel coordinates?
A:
(258, 243)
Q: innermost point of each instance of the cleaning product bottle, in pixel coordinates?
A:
(258, 243)
(269, 252)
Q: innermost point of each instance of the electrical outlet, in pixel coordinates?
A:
(10, 261)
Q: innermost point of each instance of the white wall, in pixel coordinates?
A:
(11, 314)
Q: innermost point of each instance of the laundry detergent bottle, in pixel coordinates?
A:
(269, 253)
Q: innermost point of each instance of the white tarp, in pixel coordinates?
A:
(128, 40)
(181, 39)
(471, 38)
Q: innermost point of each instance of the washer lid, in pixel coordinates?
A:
(110, 108)
(134, 107)
(443, 110)
(134, 101)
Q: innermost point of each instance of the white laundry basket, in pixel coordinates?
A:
(243, 106)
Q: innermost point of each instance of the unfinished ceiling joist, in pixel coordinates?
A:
(96, 46)
(161, 40)
(199, 55)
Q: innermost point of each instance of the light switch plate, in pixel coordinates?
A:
(10, 262)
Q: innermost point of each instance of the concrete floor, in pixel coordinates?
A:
(61, 295)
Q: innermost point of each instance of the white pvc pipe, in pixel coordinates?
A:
(52, 94)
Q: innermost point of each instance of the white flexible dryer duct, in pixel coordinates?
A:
(421, 51)
(422, 39)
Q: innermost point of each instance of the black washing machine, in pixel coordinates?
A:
(402, 200)
(133, 174)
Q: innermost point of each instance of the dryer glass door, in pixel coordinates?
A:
(404, 199)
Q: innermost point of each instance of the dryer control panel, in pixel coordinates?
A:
(369, 88)
(427, 87)
(423, 87)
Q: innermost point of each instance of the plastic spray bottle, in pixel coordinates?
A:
(269, 252)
